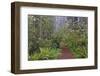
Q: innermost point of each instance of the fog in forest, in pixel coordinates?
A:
(57, 32)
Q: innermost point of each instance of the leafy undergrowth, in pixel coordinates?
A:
(45, 54)
(47, 35)
(77, 44)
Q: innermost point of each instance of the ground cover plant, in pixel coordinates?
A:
(57, 37)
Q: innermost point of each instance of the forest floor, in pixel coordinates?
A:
(66, 54)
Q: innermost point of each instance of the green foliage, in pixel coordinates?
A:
(75, 40)
(45, 53)
(45, 43)
(46, 36)
(77, 44)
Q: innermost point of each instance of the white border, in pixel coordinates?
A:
(25, 64)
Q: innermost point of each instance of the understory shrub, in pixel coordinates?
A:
(45, 54)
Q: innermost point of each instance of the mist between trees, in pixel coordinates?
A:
(48, 35)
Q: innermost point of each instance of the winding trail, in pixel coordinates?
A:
(66, 54)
